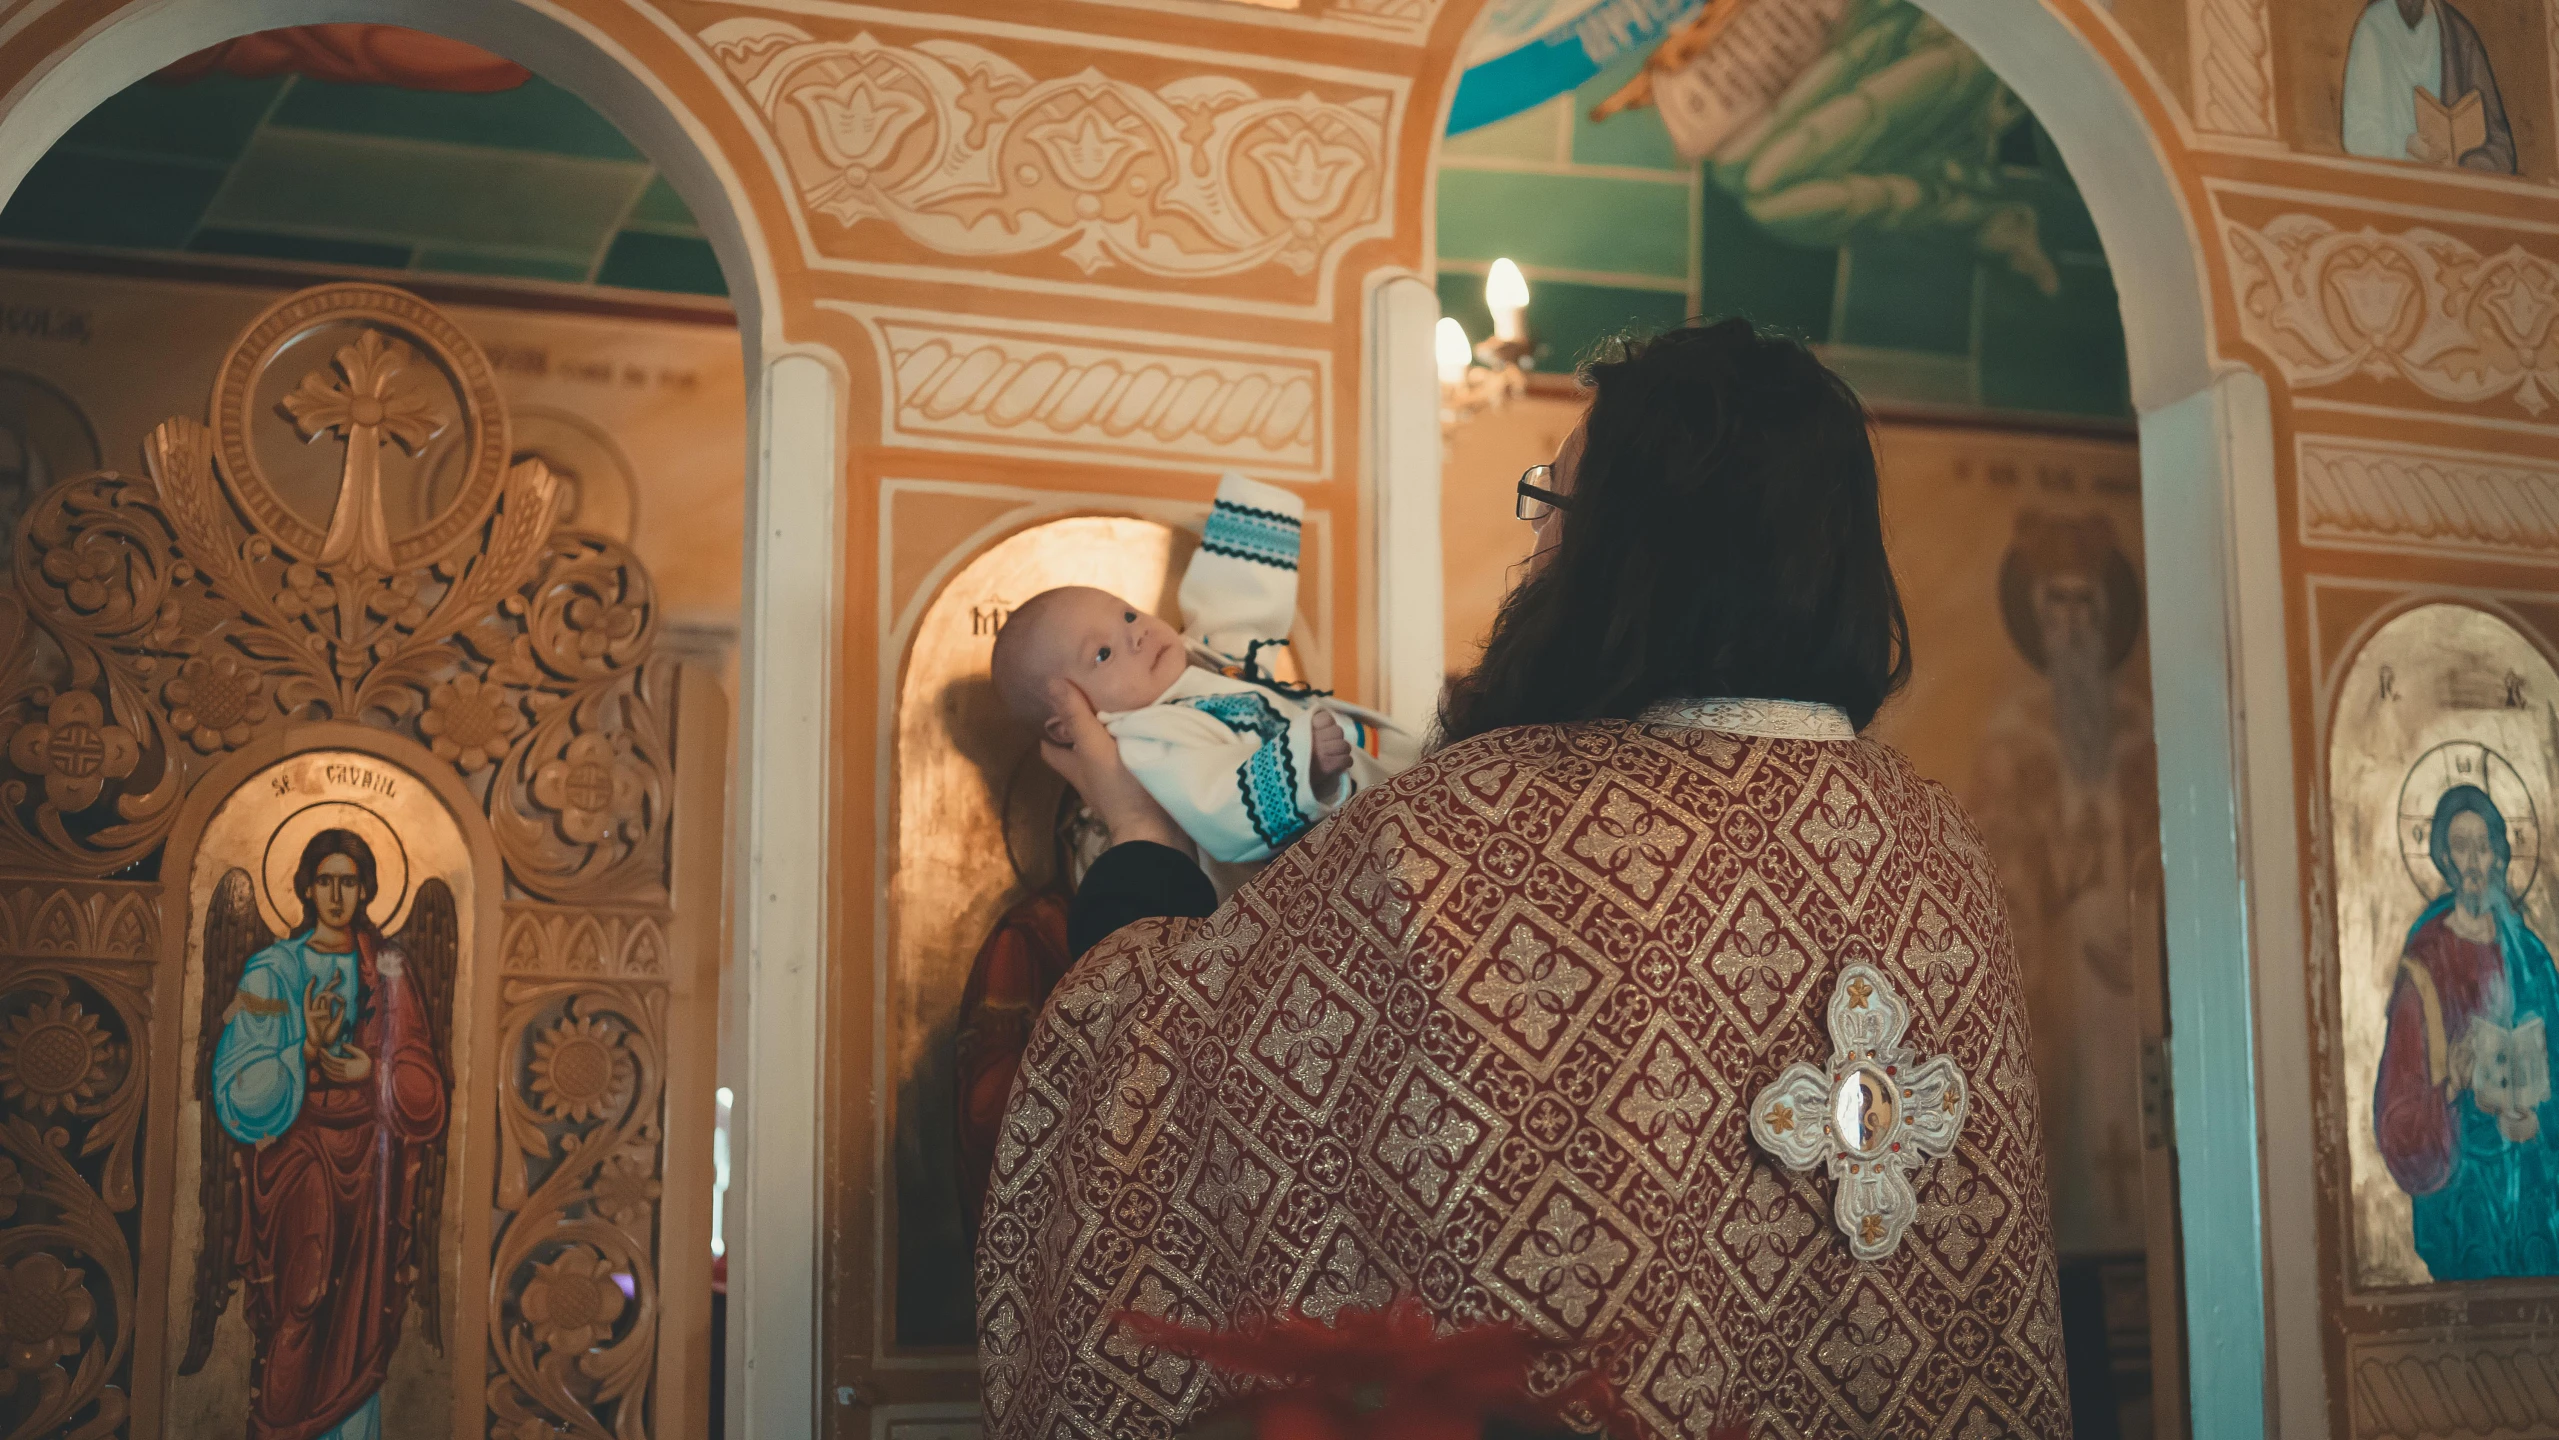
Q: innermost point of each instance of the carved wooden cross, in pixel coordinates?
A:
(1874, 1113)
(376, 395)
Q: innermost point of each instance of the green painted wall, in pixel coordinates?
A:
(527, 183)
(1615, 231)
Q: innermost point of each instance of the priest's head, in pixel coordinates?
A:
(2469, 847)
(1716, 533)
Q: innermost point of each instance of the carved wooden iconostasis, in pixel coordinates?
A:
(636, 403)
(359, 867)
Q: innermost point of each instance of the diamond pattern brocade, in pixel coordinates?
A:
(1486, 1037)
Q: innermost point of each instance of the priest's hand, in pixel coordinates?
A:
(1089, 760)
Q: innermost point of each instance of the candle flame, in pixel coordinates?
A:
(1451, 349)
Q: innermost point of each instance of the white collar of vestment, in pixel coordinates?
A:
(1767, 719)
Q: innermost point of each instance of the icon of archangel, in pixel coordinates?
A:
(327, 1099)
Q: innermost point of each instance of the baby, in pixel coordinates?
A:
(1245, 764)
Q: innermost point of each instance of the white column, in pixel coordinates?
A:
(2233, 906)
(2278, 945)
(1403, 468)
(778, 881)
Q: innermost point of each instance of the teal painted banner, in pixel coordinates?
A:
(1542, 48)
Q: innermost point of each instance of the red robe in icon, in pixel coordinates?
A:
(326, 1255)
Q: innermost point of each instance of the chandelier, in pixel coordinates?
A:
(1477, 377)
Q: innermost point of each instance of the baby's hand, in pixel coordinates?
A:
(1332, 755)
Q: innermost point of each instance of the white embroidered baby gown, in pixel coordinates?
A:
(1228, 757)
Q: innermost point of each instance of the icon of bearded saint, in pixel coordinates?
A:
(2066, 790)
(2463, 1089)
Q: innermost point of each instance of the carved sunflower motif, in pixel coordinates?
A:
(573, 1301)
(44, 1310)
(594, 786)
(469, 721)
(579, 1069)
(216, 700)
(626, 1191)
(52, 1057)
(74, 749)
(13, 1187)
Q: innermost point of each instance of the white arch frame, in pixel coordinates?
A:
(2222, 715)
(778, 825)
(2221, 709)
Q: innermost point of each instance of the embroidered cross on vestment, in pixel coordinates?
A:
(1874, 1113)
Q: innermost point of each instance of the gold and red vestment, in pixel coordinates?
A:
(1488, 1037)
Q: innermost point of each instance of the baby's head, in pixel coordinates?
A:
(1121, 657)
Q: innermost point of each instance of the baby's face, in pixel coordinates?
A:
(1118, 655)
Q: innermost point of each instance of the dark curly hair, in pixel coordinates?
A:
(1724, 539)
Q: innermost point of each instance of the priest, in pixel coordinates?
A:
(1656, 1012)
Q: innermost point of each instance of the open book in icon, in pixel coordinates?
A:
(2510, 1074)
(2445, 133)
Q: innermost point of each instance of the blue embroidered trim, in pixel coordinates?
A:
(1256, 557)
(1241, 532)
(1268, 781)
(1257, 512)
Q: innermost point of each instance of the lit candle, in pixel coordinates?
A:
(1506, 295)
(1450, 348)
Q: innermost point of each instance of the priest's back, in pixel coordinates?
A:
(1493, 1037)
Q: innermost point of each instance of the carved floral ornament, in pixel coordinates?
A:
(971, 155)
(74, 1052)
(2331, 304)
(161, 623)
(578, 1175)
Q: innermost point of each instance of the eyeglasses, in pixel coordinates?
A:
(1537, 497)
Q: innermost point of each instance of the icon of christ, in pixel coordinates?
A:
(326, 1102)
(2462, 1102)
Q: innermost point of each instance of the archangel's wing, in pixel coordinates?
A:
(428, 945)
(233, 932)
